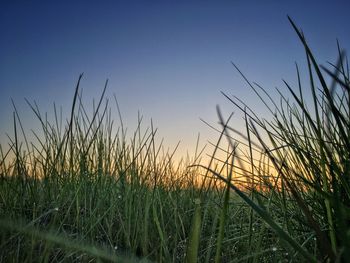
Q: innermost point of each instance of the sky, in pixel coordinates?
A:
(168, 60)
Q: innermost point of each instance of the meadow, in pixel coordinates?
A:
(88, 191)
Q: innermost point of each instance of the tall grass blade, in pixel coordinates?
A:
(193, 242)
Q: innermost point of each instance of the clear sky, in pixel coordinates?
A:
(167, 59)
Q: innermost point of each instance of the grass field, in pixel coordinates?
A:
(87, 191)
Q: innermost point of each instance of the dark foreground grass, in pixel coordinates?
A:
(86, 193)
(138, 207)
(89, 192)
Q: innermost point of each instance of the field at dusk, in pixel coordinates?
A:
(191, 131)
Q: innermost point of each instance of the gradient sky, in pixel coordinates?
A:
(167, 59)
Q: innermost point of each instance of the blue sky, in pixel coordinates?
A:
(167, 59)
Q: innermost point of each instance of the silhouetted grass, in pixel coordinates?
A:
(88, 191)
(306, 195)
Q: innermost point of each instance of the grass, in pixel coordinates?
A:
(309, 152)
(87, 191)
